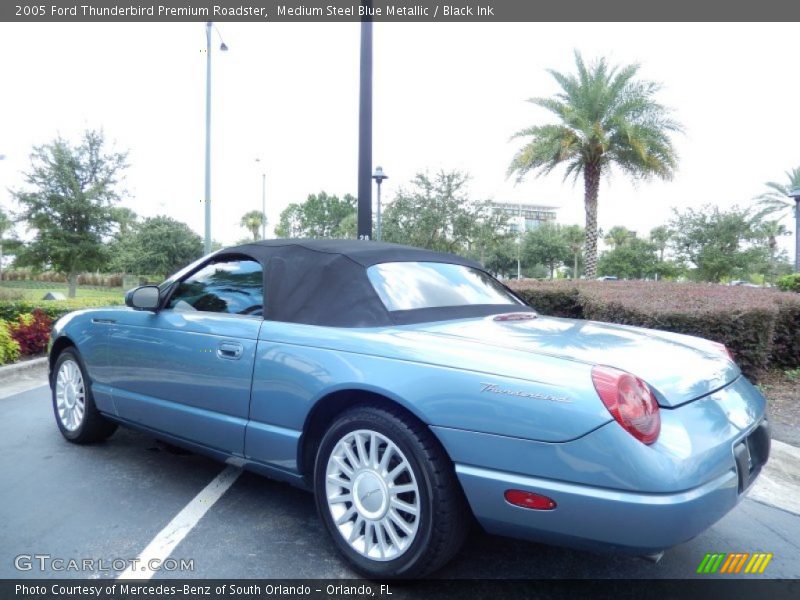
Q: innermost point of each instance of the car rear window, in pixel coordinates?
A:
(416, 285)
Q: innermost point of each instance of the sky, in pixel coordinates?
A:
(446, 96)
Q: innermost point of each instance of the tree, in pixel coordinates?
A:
(486, 232)
(720, 244)
(606, 117)
(770, 231)
(253, 221)
(618, 236)
(574, 235)
(501, 258)
(6, 226)
(435, 213)
(545, 245)
(660, 236)
(69, 205)
(776, 201)
(157, 246)
(124, 218)
(320, 216)
(633, 258)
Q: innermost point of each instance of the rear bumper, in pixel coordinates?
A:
(596, 518)
(611, 491)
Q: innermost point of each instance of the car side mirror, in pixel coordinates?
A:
(146, 297)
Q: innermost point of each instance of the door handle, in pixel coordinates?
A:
(230, 350)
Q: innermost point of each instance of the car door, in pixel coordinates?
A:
(187, 369)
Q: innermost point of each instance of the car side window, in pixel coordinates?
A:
(232, 286)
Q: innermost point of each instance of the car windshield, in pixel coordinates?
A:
(415, 285)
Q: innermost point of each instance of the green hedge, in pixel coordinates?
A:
(790, 283)
(761, 327)
(54, 309)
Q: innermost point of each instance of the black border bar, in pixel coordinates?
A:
(400, 10)
(343, 589)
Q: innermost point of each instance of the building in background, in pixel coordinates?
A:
(525, 217)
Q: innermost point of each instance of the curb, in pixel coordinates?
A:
(22, 366)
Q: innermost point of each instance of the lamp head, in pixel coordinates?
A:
(379, 175)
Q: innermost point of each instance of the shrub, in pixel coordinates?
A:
(760, 327)
(32, 332)
(559, 298)
(789, 283)
(786, 341)
(9, 348)
(54, 309)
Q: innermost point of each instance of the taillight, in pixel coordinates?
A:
(630, 401)
(724, 350)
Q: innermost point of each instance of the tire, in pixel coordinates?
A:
(76, 415)
(416, 477)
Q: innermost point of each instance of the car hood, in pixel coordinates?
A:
(679, 368)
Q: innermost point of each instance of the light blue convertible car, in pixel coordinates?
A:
(411, 390)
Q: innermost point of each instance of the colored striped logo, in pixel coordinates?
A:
(734, 562)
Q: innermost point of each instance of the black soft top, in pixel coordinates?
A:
(324, 282)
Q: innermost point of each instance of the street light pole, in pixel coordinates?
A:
(379, 176)
(222, 47)
(795, 195)
(365, 132)
(207, 245)
(263, 202)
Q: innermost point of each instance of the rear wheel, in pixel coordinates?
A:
(388, 495)
(76, 414)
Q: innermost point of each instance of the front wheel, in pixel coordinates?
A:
(76, 415)
(388, 494)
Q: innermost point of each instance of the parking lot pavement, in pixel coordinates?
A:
(109, 501)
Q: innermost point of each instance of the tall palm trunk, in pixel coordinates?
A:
(591, 183)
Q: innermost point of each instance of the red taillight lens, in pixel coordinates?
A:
(529, 500)
(630, 401)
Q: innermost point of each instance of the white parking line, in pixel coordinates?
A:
(164, 543)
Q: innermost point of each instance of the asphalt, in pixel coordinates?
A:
(108, 501)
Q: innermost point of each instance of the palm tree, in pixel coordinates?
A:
(252, 221)
(777, 200)
(619, 236)
(661, 236)
(606, 117)
(771, 230)
(575, 237)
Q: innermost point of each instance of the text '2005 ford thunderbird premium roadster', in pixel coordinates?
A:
(409, 390)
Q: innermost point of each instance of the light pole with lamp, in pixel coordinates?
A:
(379, 176)
(223, 47)
(263, 203)
(794, 194)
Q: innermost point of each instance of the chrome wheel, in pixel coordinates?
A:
(372, 495)
(70, 395)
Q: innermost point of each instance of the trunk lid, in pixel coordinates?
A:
(679, 368)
